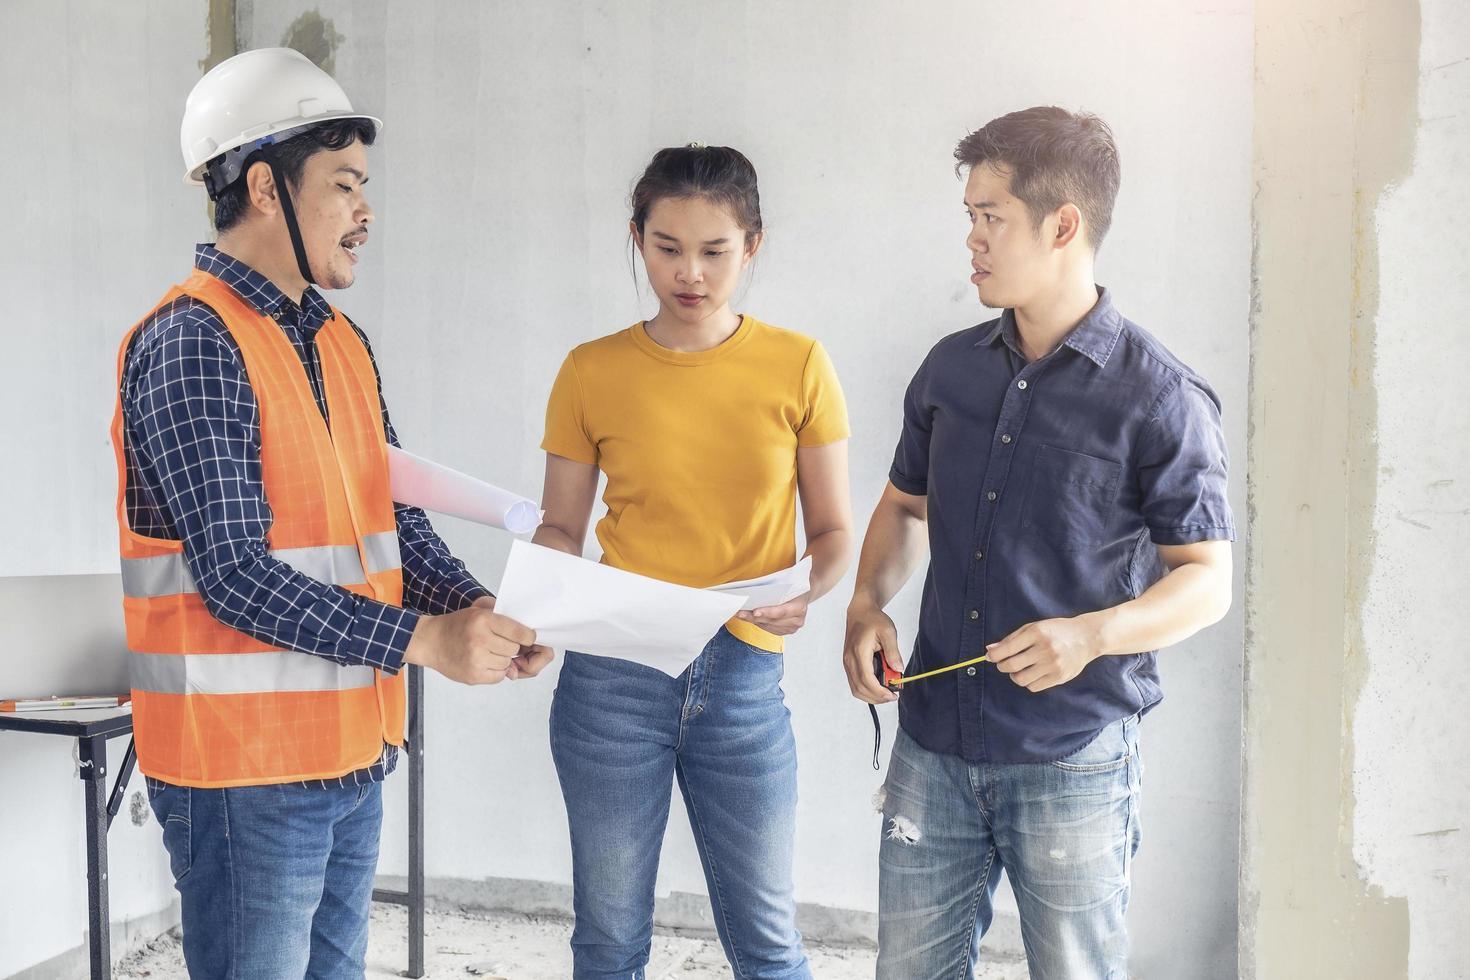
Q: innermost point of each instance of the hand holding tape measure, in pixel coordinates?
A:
(893, 680)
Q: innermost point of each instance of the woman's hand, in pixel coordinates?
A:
(782, 620)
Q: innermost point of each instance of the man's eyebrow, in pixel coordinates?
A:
(362, 178)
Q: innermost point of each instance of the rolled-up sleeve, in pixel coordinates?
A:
(1183, 467)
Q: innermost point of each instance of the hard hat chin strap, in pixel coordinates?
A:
(288, 211)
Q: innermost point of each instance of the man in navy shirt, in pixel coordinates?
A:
(1071, 475)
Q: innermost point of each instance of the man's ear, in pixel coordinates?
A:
(260, 188)
(1069, 225)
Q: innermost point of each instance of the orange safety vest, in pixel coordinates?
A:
(213, 706)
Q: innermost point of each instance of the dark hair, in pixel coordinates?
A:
(291, 155)
(716, 173)
(1054, 157)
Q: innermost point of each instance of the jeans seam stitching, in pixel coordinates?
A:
(709, 676)
(979, 797)
(966, 967)
(1095, 767)
(236, 912)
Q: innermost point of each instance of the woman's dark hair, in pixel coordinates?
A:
(291, 155)
(716, 173)
(1054, 157)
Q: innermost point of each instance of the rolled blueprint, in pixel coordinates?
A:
(421, 483)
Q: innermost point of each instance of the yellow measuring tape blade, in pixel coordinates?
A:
(941, 670)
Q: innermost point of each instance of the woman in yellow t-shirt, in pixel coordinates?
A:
(707, 424)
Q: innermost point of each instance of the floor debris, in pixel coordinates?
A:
(525, 947)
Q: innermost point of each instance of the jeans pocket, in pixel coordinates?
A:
(172, 808)
(1108, 752)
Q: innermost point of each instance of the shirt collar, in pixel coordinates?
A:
(1094, 337)
(264, 296)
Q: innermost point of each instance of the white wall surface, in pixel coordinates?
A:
(97, 227)
(513, 135)
(1412, 792)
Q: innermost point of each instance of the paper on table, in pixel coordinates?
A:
(773, 589)
(575, 604)
(418, 482)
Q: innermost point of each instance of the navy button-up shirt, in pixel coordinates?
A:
(1049, 485)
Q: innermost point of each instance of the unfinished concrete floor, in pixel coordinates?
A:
(521, 947)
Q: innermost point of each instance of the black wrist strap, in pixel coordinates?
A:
(877, 735)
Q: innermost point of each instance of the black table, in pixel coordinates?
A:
(92, 728)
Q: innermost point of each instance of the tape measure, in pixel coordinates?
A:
(894, 680)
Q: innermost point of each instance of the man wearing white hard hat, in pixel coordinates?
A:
(273, 591)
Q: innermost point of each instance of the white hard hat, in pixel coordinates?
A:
(268, 92)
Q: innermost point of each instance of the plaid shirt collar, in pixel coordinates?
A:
(262, 294)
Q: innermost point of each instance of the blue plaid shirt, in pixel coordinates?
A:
(192, 437)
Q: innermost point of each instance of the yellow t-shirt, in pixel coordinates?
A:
(699, 449)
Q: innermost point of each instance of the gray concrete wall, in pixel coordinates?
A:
(513, 134)
(1412, 792)
(1355, 796)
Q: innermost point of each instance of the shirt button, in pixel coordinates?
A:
(1021, 385)
(991, 495)
(979, 555)
(1006, 440)
(970, 671)
(974, 614)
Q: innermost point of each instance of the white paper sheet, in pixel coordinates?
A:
(575, 604)
(773, 589)
(419, 482)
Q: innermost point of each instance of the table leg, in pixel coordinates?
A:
(416, 821)
(93, 771)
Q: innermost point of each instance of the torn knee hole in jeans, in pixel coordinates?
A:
(900, 828)
(903, 830)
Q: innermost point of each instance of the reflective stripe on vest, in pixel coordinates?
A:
(242, 673)
(382, 552)
(163, 575)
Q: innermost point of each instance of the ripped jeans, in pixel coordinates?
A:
(1065, 832)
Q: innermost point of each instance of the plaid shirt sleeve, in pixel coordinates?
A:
(194, 425)
(434, 581)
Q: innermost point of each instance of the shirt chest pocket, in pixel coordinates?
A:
(1071, 499)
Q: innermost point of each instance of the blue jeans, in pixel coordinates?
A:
(620, 734)
(1065, 832)
(274, 881)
